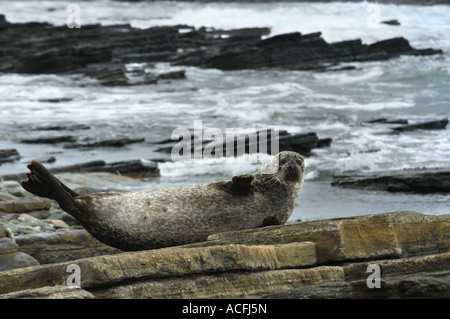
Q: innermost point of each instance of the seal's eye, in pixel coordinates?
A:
(283, 161)
(299, 162)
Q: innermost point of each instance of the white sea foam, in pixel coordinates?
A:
(225, 167)
(349, 78)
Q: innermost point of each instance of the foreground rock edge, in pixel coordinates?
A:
(159, 263)
(261, 262)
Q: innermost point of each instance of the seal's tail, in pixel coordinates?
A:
(42, 183)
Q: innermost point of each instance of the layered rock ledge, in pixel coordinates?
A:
(316, 259)
(102, 52)
(420, 181)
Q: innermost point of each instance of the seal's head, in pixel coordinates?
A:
(289, 166)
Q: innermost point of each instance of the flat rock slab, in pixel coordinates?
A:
(168, 262)
(55, 292)
(415, 277)
(62, 246)
(11, 257)
(23, 206)
(376, 236)
(223, 285)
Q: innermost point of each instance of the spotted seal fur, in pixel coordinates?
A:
(173, 216)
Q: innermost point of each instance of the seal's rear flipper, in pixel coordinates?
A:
(42, 183)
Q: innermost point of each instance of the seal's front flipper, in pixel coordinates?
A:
(239, 185)
(241, 182)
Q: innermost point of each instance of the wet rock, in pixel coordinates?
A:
(387, 121)
(11, 228)
(3, 232)
(7, 197)
(102, 51)
(407, 181)
(391, 22)
(431, 125)
(70, 127)
(41, 214)
(56, 100)
(33, 221)
(9, 185)
(56, 247)
(47, 160)
(309, 51)
(66, 218)
(50, 140)
(324, 142)
(16, 260)
(9, 155)
(82, 167)
(11, 257)
(8, 217)
(135, 168)
(302, 143)
(239, 33)
(25, 205)
(117, 75)
(56, 292)
(132, 168)
(95, 50)
(119, 142)
(173, 75)
(57, 223)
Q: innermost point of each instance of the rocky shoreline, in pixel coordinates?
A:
(316, 259)
(102, 52)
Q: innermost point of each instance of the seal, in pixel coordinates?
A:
(174, 216)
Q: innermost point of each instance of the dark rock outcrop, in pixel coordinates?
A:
(391, 22)
(387, 121)
(132, 168)
(409, 181)
(9, 155)
(302, 143)
(102, 51)
(302, 52)
(118, 142)
(431, 125)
